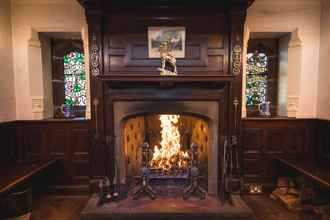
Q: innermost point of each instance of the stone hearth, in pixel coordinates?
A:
(168, 208)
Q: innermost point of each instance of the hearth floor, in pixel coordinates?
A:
(168, 208)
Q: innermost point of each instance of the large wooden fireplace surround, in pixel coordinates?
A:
(120, 69)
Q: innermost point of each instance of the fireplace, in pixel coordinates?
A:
(198, 117)
(171, 120)
(159, 124)
(163, 133)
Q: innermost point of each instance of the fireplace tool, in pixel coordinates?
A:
(194, 187)
(145, 187)
(233, 184)
(105, 194)
(230, 156)
(107, 190)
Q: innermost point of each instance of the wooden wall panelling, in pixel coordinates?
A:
(252, 141)
(296, 142)
(8, 142)
(265, 139)
(66, 140)
(274, 141)
(98, 159)
(80, 158)
(34, 141)
(322, 140)
(128, 54)
(126, 44)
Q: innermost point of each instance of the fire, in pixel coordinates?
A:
(169, 156)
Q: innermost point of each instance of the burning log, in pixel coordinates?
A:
(169, 157)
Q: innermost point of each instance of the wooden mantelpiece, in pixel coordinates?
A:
(169, 79)
(119, 59)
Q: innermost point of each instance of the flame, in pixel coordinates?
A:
(169, 155)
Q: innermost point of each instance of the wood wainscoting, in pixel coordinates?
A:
(322, 138)
(7, 142)
(69, 141)
(263, 139)
(65, 140)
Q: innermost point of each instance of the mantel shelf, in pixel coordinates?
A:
(157, 78)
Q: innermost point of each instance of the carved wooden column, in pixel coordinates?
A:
(99, 148)
(237, 20)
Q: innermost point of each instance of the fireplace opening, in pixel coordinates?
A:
(191, 123)
(169, 137)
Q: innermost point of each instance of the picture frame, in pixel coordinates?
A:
(175, 36)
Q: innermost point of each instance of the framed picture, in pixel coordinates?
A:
(174, 36)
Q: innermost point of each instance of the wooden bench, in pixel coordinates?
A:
(316, 172)
(12, 176)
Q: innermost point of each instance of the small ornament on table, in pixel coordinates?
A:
(264, 109)
(255, 188)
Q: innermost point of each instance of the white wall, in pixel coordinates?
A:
(302, 18)
(30, 17)
(7, 90)
(46, 58)
(283, 74)
(323, 99)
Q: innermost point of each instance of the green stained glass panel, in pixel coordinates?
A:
(256, 79)
(74, 79)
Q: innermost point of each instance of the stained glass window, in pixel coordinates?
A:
(256, 79)
(75, 79)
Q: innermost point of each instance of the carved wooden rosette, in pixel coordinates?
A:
(237, 57)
